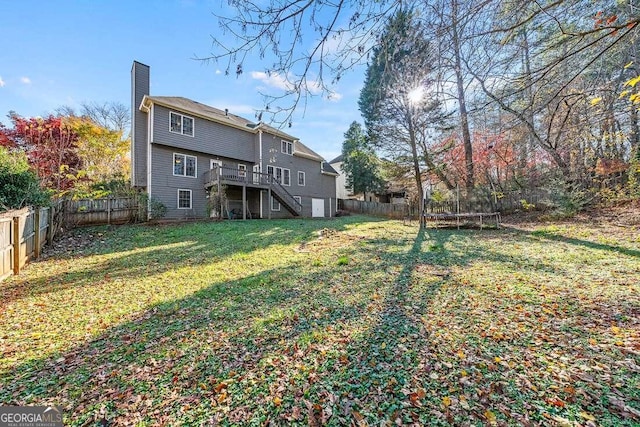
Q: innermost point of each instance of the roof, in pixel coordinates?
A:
(328, 169)
(338, 159)
(229, 119)
(304, 151)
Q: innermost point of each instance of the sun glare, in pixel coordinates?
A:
(415, 95)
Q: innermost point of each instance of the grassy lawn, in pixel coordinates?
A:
(346, 321)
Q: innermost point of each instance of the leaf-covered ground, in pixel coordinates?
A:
(346, 321)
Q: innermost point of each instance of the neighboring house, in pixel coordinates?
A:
(395, 192)
(183, 150)
(342, 191)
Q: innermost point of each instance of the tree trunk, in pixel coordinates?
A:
(416, 169)
(462, 105)
(634, 136)
(530, 141)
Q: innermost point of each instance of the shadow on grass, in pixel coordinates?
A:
(552, 236)
(383, 361)
(177, 352)
(252, 350)
(132, 252)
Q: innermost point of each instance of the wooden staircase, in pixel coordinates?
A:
(230, 176)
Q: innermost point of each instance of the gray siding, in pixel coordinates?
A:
(209, 137)
(317, 185)
(165, 186)
(232, 146)
(139, 88)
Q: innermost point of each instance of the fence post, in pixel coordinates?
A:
(109, 210)
(16, 245)
(52, 211)
(36, 230)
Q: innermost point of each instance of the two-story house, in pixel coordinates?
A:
(183, 151)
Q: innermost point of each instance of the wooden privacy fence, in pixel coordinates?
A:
(23, 233)
(391, 210)
(111, 210)
(495, 202)
(501, 202)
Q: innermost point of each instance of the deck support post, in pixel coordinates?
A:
(244, 202)
(269, 203)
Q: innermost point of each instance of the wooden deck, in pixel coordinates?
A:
(458, 217)
(221, 175)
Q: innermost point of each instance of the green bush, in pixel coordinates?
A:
(157, 209)
(568, 198)
(117, 186)
(19, 185)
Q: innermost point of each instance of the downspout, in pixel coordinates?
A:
(260, 168)
(260, 147)
(149, 135)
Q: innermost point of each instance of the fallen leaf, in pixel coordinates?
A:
(587, 416)
(490, 416)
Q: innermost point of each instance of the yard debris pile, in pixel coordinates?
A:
(73, 243)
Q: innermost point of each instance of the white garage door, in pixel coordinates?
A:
(317, 208)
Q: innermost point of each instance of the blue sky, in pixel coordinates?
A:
(69, 52)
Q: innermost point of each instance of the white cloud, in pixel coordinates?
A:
(275, 80)
(278, 81)
(25, 80)
(2, 83)
(218, 71)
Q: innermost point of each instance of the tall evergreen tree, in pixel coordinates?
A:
(360, 163)
(397, 99)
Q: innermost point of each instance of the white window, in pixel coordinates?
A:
(287, 147)
(185, 165)
(184, 199)
(181, 124)
(301, 179)
(242, 171)
(299, 199)
(275, 205)
(282, 175)
(214, 162)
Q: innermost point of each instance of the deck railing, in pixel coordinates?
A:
(252, 179)
(236, 175)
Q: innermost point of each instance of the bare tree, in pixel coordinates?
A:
(536, 63)
(114, 116)
(454, 24)
(111, 115)
(341, 33)
(526, 56)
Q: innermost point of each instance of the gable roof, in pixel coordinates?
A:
(338, 159)
(229, 119)
(327, 169)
